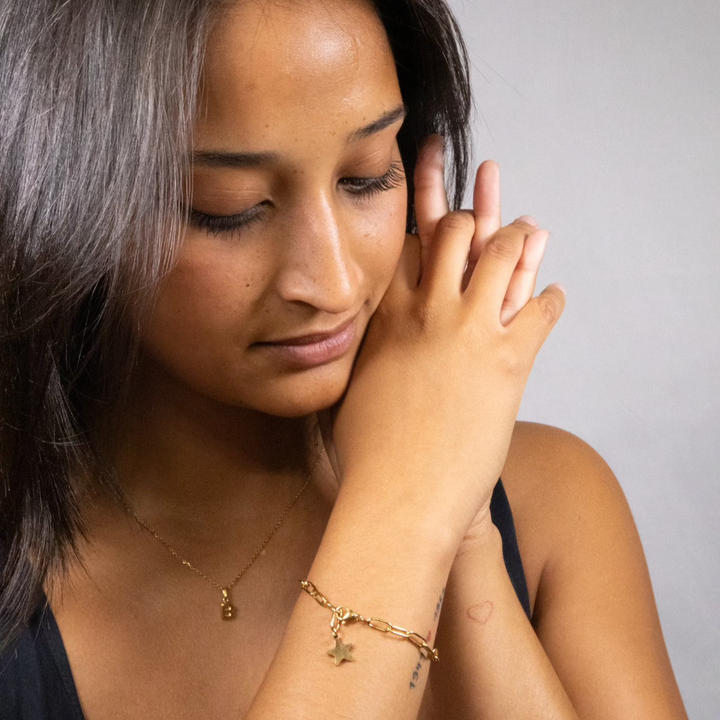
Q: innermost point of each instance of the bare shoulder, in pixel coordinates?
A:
(544, 459)
(593, 604)
(559, 488)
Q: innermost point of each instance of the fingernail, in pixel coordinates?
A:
(527, 219)
(561, 288)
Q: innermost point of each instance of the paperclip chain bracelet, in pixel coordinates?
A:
(344, 615)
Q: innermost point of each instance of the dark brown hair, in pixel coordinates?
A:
(97, 102)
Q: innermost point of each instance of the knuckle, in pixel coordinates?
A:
(524, 226)
(424, 179)
(548, 309)
(503, 247)
(427, 318)
(511, 361)
(457, 221)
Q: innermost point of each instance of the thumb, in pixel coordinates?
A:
(407, 272)
(540, 314)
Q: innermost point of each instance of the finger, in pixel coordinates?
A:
(407, 272)
(486, 206)
(472, 260)
(488, 216)
(431, 201)
(496, 265)
(448, 253)
(522, 283)
(540, 315)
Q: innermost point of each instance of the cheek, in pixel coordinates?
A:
(217, 301)
(383, 232)
(203, 310)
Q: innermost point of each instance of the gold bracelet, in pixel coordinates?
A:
(343, 615)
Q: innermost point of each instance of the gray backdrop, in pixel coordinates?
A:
(605, 119)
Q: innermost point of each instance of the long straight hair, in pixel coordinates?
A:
(97, 103)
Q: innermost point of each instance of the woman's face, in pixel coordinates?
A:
(299, 207)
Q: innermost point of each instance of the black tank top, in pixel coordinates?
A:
(35, 678)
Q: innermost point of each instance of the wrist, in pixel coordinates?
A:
(382, 564)
(391, 510)
(482, 542)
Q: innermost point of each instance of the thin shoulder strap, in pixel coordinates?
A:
(503, 519)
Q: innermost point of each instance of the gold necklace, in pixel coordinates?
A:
(228, 609)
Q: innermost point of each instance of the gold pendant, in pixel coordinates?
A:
(228, 609)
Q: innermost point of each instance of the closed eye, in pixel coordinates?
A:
(218, 224)
(365, 187)
(360, 187)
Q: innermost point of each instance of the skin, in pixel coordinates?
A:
(591, 598)
(220, 433)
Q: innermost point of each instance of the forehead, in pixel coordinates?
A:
(275, 69)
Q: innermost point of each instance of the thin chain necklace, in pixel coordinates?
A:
(228, 609)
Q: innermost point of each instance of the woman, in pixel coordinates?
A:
(206, 282)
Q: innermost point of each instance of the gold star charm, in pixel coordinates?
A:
(341, 652)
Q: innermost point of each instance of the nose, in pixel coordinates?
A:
(317, 266)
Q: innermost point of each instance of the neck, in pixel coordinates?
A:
(190, 466)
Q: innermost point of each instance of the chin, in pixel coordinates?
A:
(305, 393)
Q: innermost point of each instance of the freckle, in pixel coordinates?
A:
(481, 613)
(247, 284)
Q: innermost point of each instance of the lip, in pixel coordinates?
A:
(315, 337)
(316, 349)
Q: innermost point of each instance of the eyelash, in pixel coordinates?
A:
(365, 187)
(362, 188)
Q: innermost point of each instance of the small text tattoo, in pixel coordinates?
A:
(428, 638)
(416, 673)
(439, 604)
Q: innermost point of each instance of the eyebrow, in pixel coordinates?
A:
(220, 158)
(385, 120)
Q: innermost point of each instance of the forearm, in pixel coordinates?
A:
(382, 564)
(493, 665)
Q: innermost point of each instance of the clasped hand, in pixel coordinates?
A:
(429, 412)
